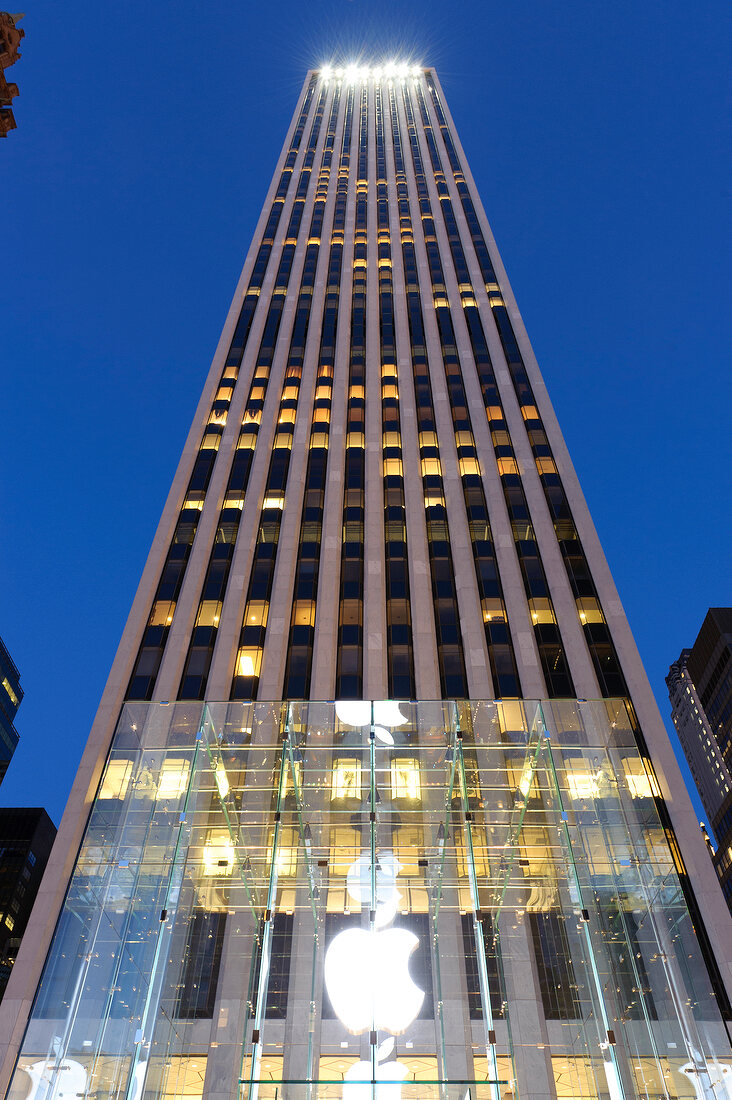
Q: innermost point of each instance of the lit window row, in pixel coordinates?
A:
(348, 778)
(399, 651)
(142, 681)
(597, 635)
(349, 661)
(298, 667)
(579, 778)
(499, 643)
(11, 693)
(546, 630)
(252, 635)
(204, 634)
(453, 679)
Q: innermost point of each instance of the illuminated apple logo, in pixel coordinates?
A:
(368, 980)
(367, 977)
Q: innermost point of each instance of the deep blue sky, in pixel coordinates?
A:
(147, 135)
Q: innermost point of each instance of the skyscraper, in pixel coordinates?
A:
(378, 801)
(26, 838)
(700, 690)
(11, 696)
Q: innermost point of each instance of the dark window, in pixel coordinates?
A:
(201, 964)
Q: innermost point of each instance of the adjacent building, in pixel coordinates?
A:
(377, 802)
(700, 690)
(11, 696)
(26, 834)
(10, 36)
(26, 839)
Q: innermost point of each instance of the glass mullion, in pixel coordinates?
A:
(480, 946)
(268, 926)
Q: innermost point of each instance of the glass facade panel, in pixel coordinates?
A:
(327, 900)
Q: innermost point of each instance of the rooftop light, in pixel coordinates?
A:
(387, 71)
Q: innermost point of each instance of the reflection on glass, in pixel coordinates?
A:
(346, 778)
(405, 781)
(640, 783)
(218, 853)
(116, 779)
(173, 778)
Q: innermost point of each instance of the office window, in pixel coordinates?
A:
(345, 778)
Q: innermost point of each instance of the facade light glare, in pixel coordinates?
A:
(173, 779)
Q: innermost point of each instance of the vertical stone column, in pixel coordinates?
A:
(300, 1013)
(529, 1035)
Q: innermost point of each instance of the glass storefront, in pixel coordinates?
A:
(375, 900)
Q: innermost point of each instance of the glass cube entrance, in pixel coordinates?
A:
(443, 900)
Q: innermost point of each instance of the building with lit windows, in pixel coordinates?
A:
(26, 838)
(11, 696)
(378, 802)
(700, 690)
